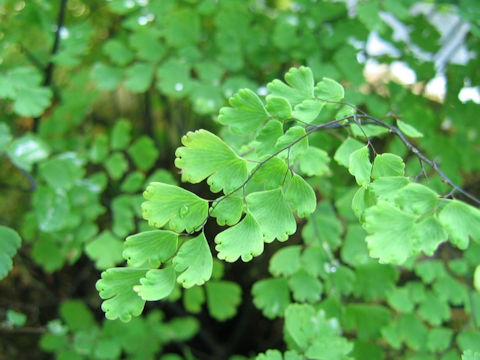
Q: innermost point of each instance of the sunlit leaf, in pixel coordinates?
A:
(242, 240)
(360, 165)
(157, 284)
(172, 205)
(246, 113)
(150, 248)
(298, 87)
(387, 165)
(271, 211)
(461, 221)
(116, 289)
(194, 261)
(206, 155)
(391, 233)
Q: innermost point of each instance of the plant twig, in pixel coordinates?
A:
(422, 157)
(48, 71)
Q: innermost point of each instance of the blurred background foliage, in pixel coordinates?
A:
(94, 98)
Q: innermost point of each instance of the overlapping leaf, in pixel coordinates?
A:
(157, 284)
(271, 211)
(116, 289)
(194, 261)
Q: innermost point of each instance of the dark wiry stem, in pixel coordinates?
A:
(48, 71)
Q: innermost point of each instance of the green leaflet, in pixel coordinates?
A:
(223, 298)
(194, 261)
(400, 300)
(107, 77)
(27, 150)
(117, 52)
(157, 284)
(62, 171)
(277, 355)
(285, 261)
(470, 355)
(386, 188)
(429, 235)
(206, 155)
(9, 243)
(272, 296)
(360, 165)
(278, 107)
(242, 240)
(313, 334)
(461, 221)
(133, 182)
(17, 319)
(434, 310)
(299, 88)
(193, 299)
(267, 138)
(105, 250)
(228, 211)
(23, 86)
(120, 135)
(323, 227)
(314, 162)
(354, 250)
(374, 281)
(476, 278)
(271, 211)
(408, 129)
(387, 165)
(246, 113)
(172, 205)
(330, 90)
(391, 230)
(292, 136)
(143, 153)
(77, 315)
(52, 208)
(300, 195)
(416, 198)
(116, 165)
(150, 248)
(308, 110)
(367, 319)
(305, 287)
(342, 155)
(271, 174)
(173, 78)
(139, 76)
(116, 289)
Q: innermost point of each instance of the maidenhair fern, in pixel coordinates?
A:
(262, 190)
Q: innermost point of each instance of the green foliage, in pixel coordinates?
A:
(377, 251)
(10, 243)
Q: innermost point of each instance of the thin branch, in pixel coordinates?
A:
(423, 158)
(48, 71)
